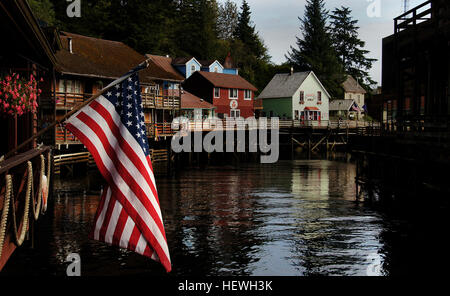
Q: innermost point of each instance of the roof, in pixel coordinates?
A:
(341, 105)
(22, 33)
(190, 101)
(312, 108)
(182, 61)
(284, 85)
(351, 85)
(207, 63)
(96, 57)
(164, 66)
(100, 58)
(226, 80)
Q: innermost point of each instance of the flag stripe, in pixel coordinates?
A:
(112, 127)
(134, 202)
(159, 245)
(112, 154)
(129, 159)
(104, 107)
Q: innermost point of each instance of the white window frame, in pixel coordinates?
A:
(237, 113)
(193, 69)
(214, 92)
(247, 91)
(230, 91)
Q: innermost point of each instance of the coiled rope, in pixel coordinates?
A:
(19, 239)
(5, 212)
(9, 201)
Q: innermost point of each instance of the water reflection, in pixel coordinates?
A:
(292, 218)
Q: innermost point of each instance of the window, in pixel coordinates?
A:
(247, 94)
(233, 93)
(62, 87)
(302, 97)
(216, 69)
(70, 86)
(235, 113)
(319, 97)
(77, 87)
(193, 69)
(296, 115)
(216, 92)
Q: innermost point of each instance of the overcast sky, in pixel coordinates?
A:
(277, 23)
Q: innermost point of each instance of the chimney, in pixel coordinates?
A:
(69, 40)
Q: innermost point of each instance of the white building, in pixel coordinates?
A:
(299, 96)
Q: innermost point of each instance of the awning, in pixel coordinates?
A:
(312, 109)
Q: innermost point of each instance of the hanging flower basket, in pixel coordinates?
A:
(18, 95)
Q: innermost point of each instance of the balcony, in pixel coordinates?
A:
(66, 101)
(159, 129)
(168, 100)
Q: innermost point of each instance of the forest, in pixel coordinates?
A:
(327, 43)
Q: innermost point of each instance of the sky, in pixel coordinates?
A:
(277, 23)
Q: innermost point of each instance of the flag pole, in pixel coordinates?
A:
(58, 121)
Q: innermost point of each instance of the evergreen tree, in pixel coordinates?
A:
(315, 49)
(246, 33)
(43, 10)
(196, 32)
(227, 20)
(349, 47)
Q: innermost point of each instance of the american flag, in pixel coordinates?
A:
(112, 127)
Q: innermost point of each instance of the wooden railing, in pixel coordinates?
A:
(24, 188)
(64, 136)
(216, 123)
(413, 17)
(161, 101)
(66, 101)
(159, 129)
(161, 155)
(68, 159)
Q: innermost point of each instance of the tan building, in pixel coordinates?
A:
(354, 91)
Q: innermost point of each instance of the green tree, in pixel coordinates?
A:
(246, 32)
(349, 48)
(315, 49)
(227, 20)
(196, 30)
(248, 49)
(43, 10)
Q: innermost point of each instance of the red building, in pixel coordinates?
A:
(231, 95)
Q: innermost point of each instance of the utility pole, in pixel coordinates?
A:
(405, 5)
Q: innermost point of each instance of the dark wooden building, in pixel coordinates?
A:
(416, 66)
(26, 55)
(84, 65)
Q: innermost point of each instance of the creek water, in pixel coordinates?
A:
(291, 218)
